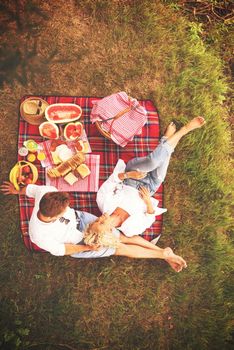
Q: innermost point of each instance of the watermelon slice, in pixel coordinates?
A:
(63, 113)
(73, 131)
(49, 130)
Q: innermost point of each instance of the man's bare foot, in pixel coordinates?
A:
(195, 123)
(170, 130)
(175, 261)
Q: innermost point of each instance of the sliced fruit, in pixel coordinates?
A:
(79, 146)
(55, 143)
(49, 130)
(63, 112)
(73, 131)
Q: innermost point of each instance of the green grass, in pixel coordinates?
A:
(147, 49)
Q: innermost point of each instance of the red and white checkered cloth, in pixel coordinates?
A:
(124, 128)
(89, 184)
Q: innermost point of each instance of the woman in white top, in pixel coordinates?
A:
(125, 197)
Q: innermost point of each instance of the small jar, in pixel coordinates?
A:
(31, 158)
(23, 151)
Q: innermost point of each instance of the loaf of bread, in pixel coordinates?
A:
(65, 167)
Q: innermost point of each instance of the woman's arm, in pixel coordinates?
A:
(145, 195)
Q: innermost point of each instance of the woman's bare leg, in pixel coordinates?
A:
(195, 123)
(138, 240)
(139, 252)
(170, 130)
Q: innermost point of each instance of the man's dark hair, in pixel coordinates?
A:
(53, 203)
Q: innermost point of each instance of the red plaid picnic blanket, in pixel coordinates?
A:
(109, 154)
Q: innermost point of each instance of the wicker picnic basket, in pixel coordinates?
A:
(32, 109)
(105, 133)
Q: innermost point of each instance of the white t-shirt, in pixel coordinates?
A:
(114, 193)
(51, 236)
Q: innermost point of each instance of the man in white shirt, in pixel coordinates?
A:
(57, 228)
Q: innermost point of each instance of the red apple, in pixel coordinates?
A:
(26, 169)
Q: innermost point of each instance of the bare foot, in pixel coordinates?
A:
(175, 266)
(175, 261)
(195, 123)
(170, 130)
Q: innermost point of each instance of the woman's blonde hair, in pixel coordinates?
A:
(100, 235)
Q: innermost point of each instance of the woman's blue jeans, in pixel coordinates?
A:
(155, 164)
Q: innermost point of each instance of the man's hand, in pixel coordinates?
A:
(78, 248)
(136, 174)
(8, 188)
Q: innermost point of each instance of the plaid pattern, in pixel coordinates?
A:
(109, 154)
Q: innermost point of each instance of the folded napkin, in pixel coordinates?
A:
(89, 184)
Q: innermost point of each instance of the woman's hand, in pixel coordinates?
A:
(136, 175)
(145, 194)
(8, 188)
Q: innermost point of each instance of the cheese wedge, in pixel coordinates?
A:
(83, 170)
(70, 178)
